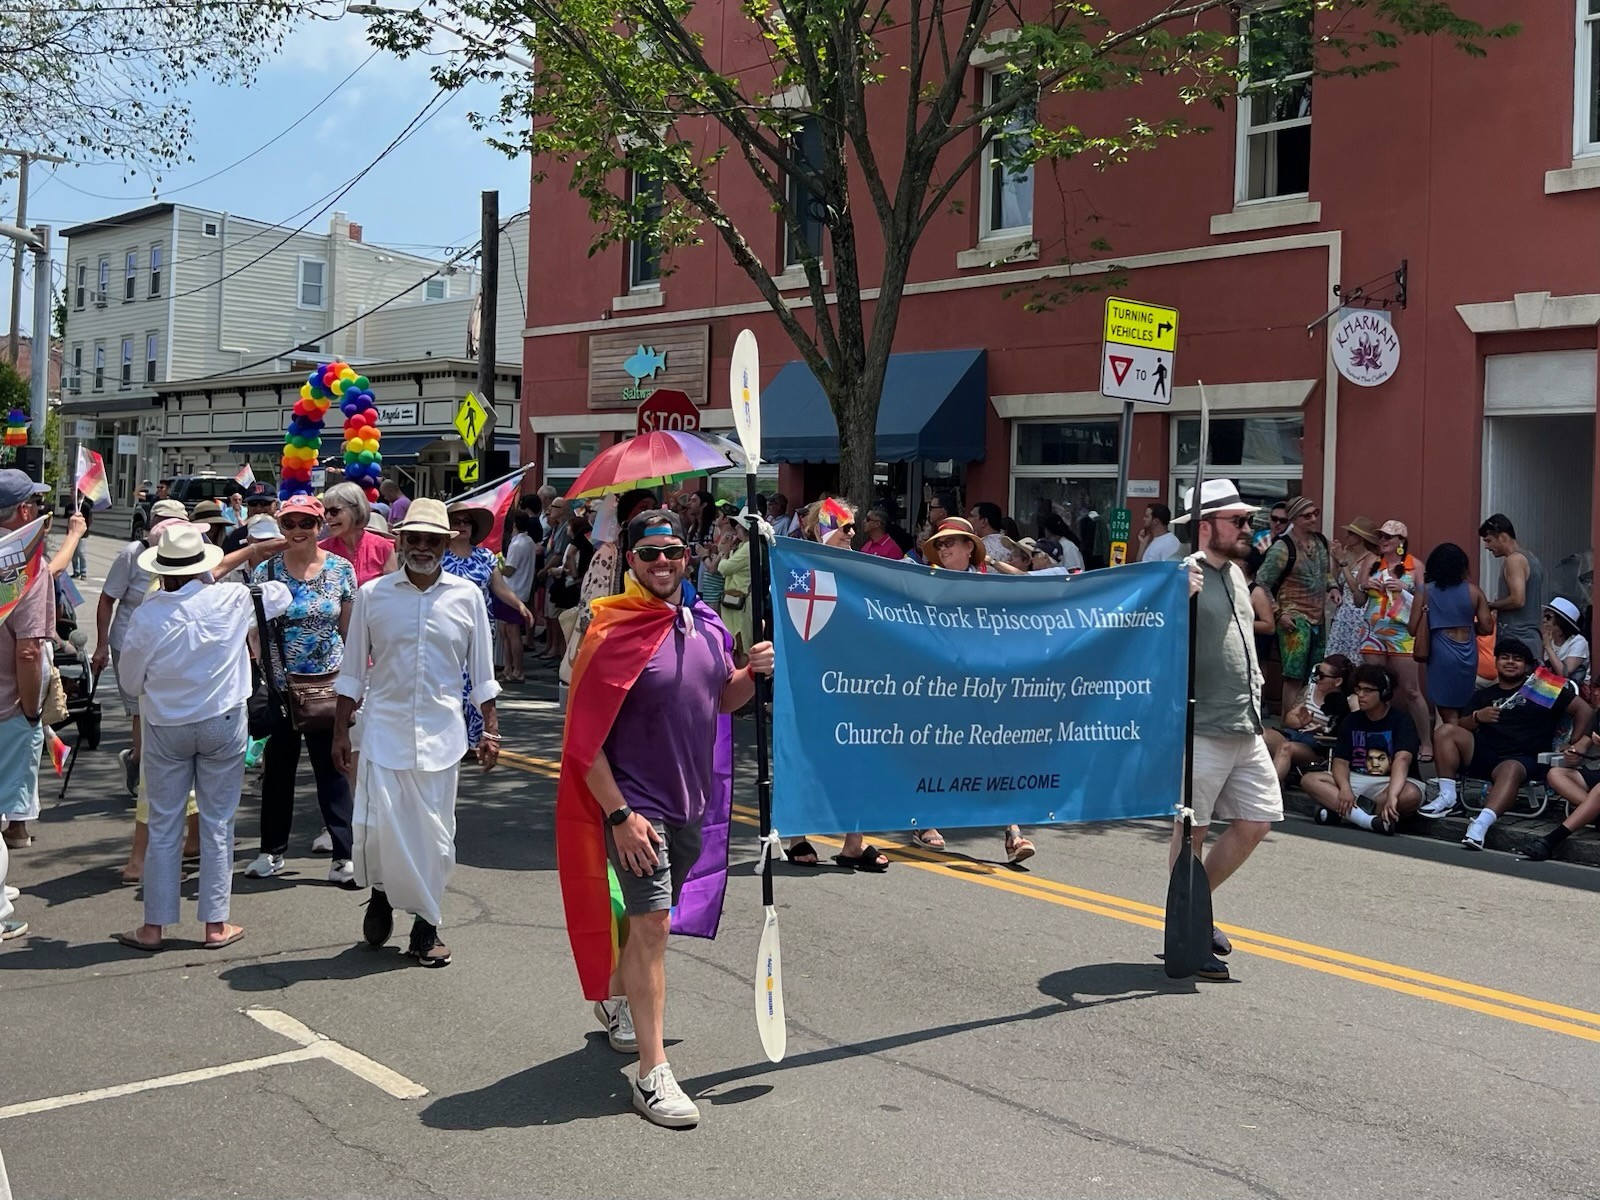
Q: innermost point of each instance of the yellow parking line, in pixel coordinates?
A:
(1508, 1006)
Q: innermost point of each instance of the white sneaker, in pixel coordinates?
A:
(12, 893)
(662, 1101)
(1439, 806)
(617, 1018)
(322, 843)
(342, 873)
(265, 866)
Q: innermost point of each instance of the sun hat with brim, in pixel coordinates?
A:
(1566, 610)
(262, 528)
(1013, 546)
(154, 535)
(1363, 528)
(208, 512)
(482, 519)
(425, 516)
(181, 550)
(167, 510)
(379, 524)
(951, 528)
(1216, 496)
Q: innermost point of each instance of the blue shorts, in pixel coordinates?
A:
(21, 743)
(1301, 737)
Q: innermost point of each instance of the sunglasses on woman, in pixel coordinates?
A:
(331, 509)
(649, 554)
(288, 523)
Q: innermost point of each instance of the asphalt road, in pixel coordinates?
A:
(1406, 1020)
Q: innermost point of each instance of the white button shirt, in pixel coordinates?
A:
(185, 655)
(419, 643)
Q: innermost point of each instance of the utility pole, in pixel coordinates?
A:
(24, 157)
(39, 391)
(487, 332)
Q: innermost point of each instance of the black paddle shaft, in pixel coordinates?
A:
(758, 597)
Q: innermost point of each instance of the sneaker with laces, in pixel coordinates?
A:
(617, 1018)
(12, 929)
(426, 947)
(1439, 806)
(265, 866)
(322, 843)
(341, 872)
(130, 772)
(662, 1101)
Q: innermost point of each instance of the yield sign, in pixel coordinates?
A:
(1119, 366)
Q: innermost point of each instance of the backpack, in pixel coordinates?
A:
(1294, 556)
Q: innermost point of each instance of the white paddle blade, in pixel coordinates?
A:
(769, 991)
(744, 391)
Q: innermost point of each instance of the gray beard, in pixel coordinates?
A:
(419, 562)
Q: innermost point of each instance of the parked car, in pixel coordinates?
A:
(190, 489)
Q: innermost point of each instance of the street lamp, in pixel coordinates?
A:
(379, 10)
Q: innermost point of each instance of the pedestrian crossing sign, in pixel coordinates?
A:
(468, 470)
(1137, 350)
(470, 419)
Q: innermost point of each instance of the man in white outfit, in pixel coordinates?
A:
(420, 627)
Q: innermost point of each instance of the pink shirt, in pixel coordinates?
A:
(371, 556)
(884, 547)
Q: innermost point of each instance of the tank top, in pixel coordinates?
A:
(1524, 621)
(1451, 607)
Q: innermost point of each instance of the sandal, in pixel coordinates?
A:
(132, 940)
(871, 859)
(798, 853)
(1018, 848)
(928, 839)
(227, 938)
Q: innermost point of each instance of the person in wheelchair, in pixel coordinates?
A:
(1372, 759)
(1510, 724)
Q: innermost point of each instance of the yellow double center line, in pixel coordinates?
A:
(1508, 1006)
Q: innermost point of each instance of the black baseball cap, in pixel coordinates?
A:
(259, 493)
(655, 522)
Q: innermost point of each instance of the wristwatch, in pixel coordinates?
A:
(620, 816)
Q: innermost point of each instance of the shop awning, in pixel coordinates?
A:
(402, 448)
(932, 409)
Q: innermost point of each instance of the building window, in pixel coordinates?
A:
(1586, 109)
(150, 343)
(81, 286)
(99, 366)
(644, 255)
(77, 367)
(313, 274)
(105, 282)
(1262, 454)
(127, 362)
(1274, 154)
(435, 289)
(809, 210)
(565, 457)
(1065, 468)
(130, 275)
(155, 269)
(1007, 173)
(209, 229)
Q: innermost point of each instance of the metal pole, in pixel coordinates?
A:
(1124, 455)
(16, 263)
(39, 391)
(487, 327)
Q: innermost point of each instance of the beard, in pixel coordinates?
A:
(668, 587)
(1228, 541)
(419, 562)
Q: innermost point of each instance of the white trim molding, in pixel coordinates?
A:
(644, 297)
(1582, 176)
(996, 49)
(997, 251)
(619, 421)
(1268, 214)
(795, 277)
(1532, 310)
(1222, 397)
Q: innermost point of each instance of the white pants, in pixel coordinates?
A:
(404, 835)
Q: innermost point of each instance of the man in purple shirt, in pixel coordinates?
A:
(653, 778)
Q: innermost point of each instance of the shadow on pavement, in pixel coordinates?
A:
(584, 1085)
(1094, 984)
(505, 821)
(275, 974)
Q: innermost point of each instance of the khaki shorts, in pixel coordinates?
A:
(1370, 787)
(1234, 779)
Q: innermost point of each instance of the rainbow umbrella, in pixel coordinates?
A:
(649, 460)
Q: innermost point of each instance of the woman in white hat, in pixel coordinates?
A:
(187, 659)
(1565, 649)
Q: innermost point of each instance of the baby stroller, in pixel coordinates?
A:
(78, 680)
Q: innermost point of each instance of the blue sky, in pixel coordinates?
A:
(423, 197)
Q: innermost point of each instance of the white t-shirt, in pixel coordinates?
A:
(519, 559)
(1163, 549)
(1576, 646)
(1071, 556)
(128, 585)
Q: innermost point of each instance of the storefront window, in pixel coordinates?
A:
(1262, 454)
(1065, 468)
(565, 457)
(1081, 444)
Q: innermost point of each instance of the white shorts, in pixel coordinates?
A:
(1234, 779)
(1370, 787)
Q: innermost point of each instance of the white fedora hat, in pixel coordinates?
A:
(1216, 496)
(181, 550)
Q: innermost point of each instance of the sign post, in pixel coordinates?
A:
(1136, 356)
(1120, 522)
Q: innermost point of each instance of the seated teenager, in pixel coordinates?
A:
(1510, 724)
(1371, 760)
(1310, 725)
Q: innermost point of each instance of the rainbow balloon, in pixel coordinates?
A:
(302, 444)
(16, 428)
(363, 460)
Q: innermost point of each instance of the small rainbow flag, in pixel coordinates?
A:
(1544, 687)
(830, 517)
(92, 479)
(245, 478)
(59, 750)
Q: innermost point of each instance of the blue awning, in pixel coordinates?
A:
(399, 448)
(932, 409)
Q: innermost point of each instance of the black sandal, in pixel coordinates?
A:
(867, 860)
(802, 847)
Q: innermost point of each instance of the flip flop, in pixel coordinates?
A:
(797, 852)
(929, 840)
(128, 939)
(867, 860)
(227, 941)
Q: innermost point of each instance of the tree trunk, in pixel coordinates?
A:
(856, 410)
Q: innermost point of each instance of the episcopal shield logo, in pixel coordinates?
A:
(810, 598)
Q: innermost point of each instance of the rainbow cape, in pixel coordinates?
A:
(21, 560)
(1543, 687)
(623, 636)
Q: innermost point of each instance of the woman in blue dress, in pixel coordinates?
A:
(469, 525)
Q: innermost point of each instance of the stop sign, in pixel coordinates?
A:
(667, 408)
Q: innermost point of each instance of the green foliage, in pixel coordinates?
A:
(54, 467)
(13, 389)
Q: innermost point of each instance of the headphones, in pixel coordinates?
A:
(1386, 692)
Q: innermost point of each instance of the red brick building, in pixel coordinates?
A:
(1481, 175)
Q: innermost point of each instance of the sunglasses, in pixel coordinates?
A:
(649, 554)
(1237, 522)
(424, 540)
(850, 527)
(1321, 674)
(460, 522)
(330, 509)
(288, 523)
(1279, 520)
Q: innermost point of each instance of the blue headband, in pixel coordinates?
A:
(659, 531)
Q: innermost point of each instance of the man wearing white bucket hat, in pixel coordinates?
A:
(1233, 773)
(186, 657)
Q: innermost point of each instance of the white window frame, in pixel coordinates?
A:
(791, 260)
(988, 228)
(80, 292)
(155, 269)
(104, 280)
(99, 366)
(125, 378)
(1244, 131)
(430, 286)
(77, 368)
(636, 283)
(152, 357)
(300, 283)
(1586, 81)
(208, 229)
(130, 276)
(1052, 470)
(1180, 474)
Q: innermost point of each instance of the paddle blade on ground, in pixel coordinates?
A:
(1188, 917)
(769, 991)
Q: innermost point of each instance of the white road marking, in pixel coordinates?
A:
(312, 1045)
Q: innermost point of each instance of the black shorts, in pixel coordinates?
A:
(1484, 761)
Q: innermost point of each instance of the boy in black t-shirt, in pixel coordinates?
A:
(1500, 740)
(1371, 761)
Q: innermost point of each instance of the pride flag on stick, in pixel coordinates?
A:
(59, 750)
(246, 478)
(92, 479)
(1544, 687)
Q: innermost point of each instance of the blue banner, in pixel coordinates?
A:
(907, 698)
